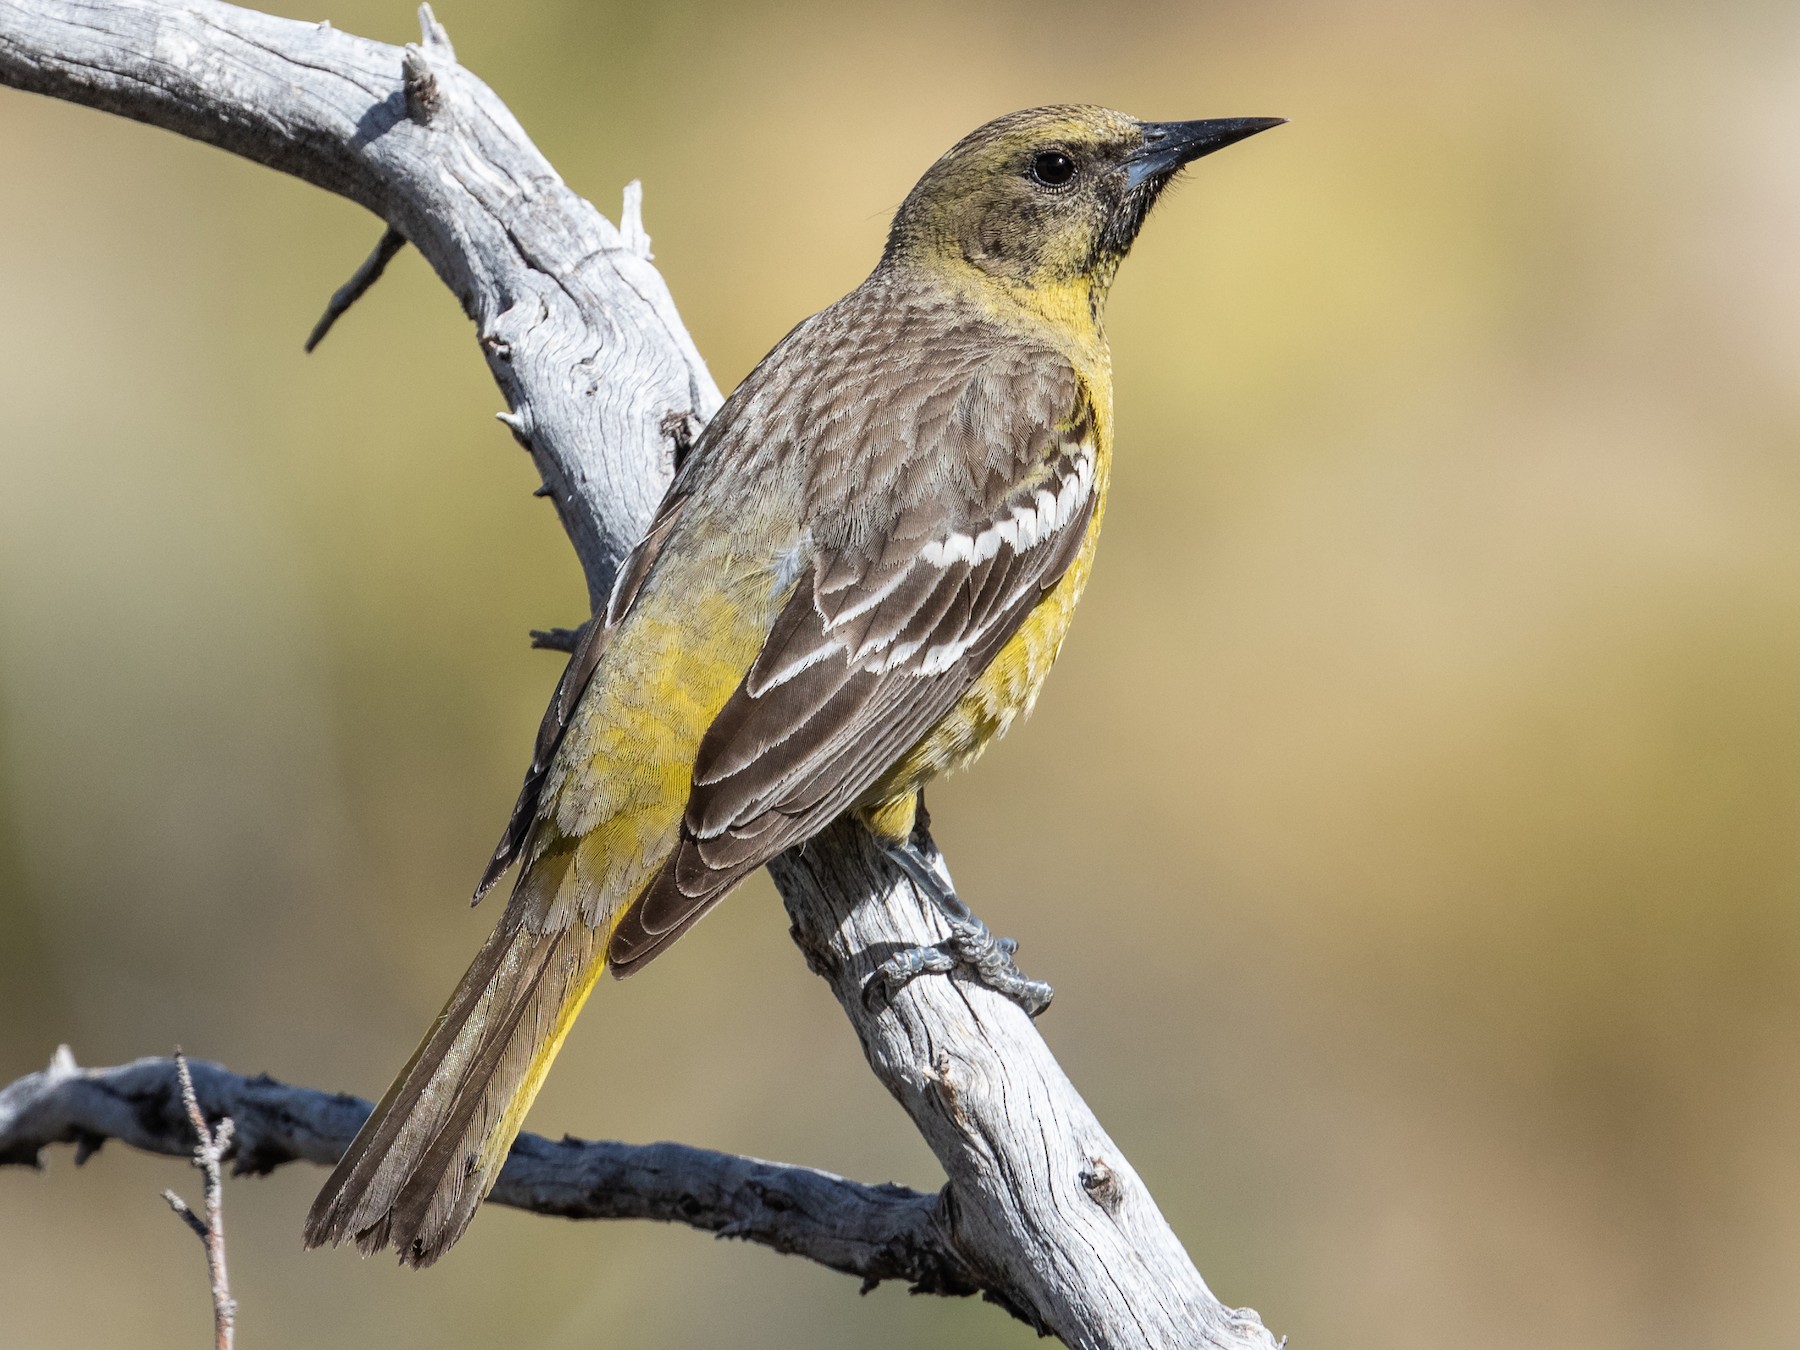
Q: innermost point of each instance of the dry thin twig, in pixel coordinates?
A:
(365, 276)
(209, 1153)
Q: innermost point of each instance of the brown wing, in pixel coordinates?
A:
(583, 661)
(898, 617)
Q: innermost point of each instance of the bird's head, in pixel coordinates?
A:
(1050, 199)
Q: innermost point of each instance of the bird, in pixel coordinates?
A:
(858, 578)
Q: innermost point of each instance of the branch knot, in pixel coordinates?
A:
(424, 100)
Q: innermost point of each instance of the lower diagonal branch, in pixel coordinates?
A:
(875, 1233)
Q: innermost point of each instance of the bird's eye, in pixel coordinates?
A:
(1053, 168)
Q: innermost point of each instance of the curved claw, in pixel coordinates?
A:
(901, 969)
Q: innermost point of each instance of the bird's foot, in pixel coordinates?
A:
(987, 960)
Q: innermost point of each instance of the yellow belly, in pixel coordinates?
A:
(612, 804)
(1004, 691)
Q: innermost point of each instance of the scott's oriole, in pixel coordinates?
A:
(859, 577)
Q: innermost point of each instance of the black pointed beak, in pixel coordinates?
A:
(1169, 145)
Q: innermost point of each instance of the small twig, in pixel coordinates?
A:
(419, 82)
(555, 639)
(186, 1215)
(209, 1153)
(631, 221)
(392, 241)
(433, 36)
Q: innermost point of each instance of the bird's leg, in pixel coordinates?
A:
(969, 947)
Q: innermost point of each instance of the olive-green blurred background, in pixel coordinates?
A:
(1412, 830)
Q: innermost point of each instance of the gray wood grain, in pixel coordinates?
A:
(1041, 1211)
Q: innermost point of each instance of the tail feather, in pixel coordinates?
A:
(422, 1163)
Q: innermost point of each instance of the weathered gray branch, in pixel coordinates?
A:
(1041, 1211)
(873, 1232)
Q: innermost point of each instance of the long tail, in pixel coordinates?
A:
(421, 1165)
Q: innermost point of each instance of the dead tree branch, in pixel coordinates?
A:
(604, 385)
(875, 1233)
